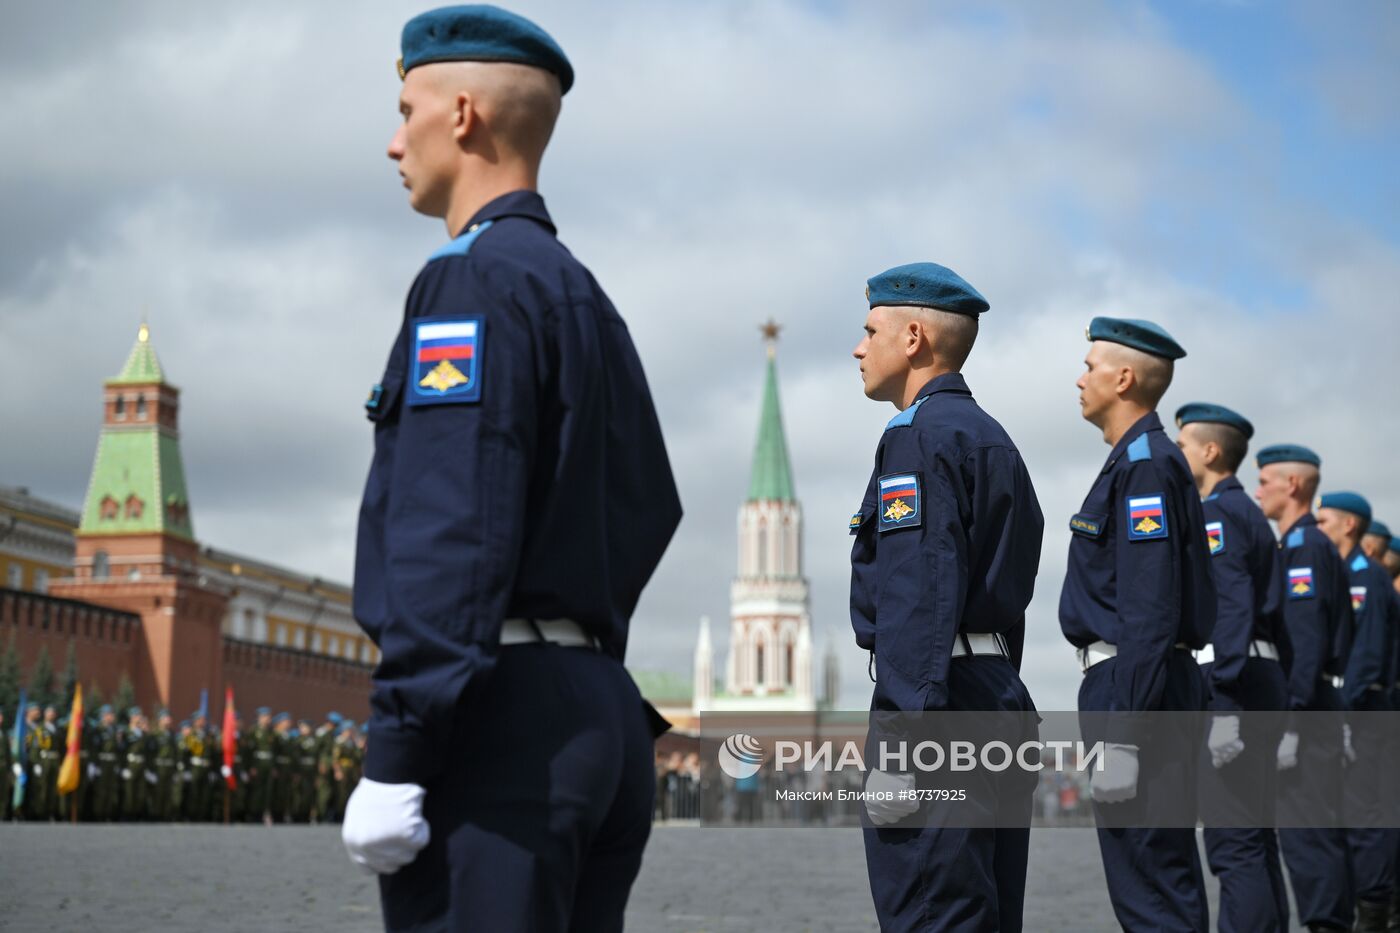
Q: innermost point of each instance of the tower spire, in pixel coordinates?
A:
(771, 474)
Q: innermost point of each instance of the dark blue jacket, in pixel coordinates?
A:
(1372, 658)
(519, 472)
(1248, 588)
(1316, 610)
(1139, 573)
(951, 545)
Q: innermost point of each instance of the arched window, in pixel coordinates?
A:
(787, 664)
(119, 408)
(758, 674)
(761, 565)
(101, 566)
(140, 408)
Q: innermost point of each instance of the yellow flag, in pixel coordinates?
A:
(71, 771)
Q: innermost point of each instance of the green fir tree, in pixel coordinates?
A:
(125, 698)
(69, 681)
(10, 682)
(41, 688)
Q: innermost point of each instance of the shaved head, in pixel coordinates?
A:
(950, 335)
(1152, 375)
(518, 103)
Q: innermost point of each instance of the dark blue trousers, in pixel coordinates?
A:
(1253, 896)
(958, 879)
(1154, 875)
(1309, 809)
(542, 810)
(1365, 803)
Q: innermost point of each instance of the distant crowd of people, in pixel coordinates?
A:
(281, 771)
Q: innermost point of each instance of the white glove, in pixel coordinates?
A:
(38, 770)
(19, 772)
(902, 799)
(94, 771)
(225, 770)
(150, 777)
(187, 776)
(1348, 749)
(1288, 751)
(384, 827)
(1117, 781)
(1224, 740)
(126, 774)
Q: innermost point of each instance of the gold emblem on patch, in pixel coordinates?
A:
(1147, 526)
(443, 377)
(897, 511)
(1300, 588)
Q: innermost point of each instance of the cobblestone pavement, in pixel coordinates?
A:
(248, 878)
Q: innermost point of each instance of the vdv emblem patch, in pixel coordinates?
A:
(1215, 536)
(446, 360)
(1300, 583)
(855, 523)
(1146, 518)
(1358, 598)
(899, 501)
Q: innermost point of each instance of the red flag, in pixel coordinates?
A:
(230, 739)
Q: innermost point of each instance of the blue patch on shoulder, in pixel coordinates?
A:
(899, 501)
(906, 417)
(461, 245)
(447, 360)
(1360, 563)
(1295, 538)
(1147, 517)
(1140, 449)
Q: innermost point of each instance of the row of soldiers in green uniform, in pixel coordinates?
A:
(285, 771)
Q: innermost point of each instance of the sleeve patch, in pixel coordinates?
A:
(447, 360)
(1091, 526)
(1300, 583)
(1358, 598)
(855, 522)
(1147, 518)
(1215, 537)
(899, 504)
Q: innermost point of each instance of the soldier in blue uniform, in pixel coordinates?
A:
(1138, 597)
(519, 498)
(943, 566)
(1317, 616)
(1244, 666)
(1344, 517)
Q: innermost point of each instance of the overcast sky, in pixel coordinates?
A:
(1227, 169)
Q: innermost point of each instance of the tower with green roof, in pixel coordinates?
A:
(135, 547)
(769, 660)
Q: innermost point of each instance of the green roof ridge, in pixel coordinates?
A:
(771, 475)
(142, 364)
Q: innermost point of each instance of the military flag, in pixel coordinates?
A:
(70, 771)
(230, 739)
(17, 755)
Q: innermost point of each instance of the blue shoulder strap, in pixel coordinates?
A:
(1295, 538)
(1140, 449)
(906, 417)
(1359, 563)
(462, 244)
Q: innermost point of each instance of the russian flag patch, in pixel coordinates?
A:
(1358, 598)
(446, 361)
(1147, 519)
(1300, 583)
(899, 501)
(1215, 537)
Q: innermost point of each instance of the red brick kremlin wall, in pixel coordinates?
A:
(110, 643)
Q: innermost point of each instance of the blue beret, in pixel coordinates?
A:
(1395, 545)
(1379, 528)
(162, 712)
(1213, 414)
(1140, 335)
(281, 717)
(347, 725)
(185, 724)
(134, 711)
(333, 716)
(104, 709)
(1287, 453)
(32, 706)
(481, 33)
(264, 711)
(925, 285)
(1351, 502)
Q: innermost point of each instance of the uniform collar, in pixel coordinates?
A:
(1148, 422)
(1307, 518)
(1227, 484)
(947, 382)
(514, 204)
